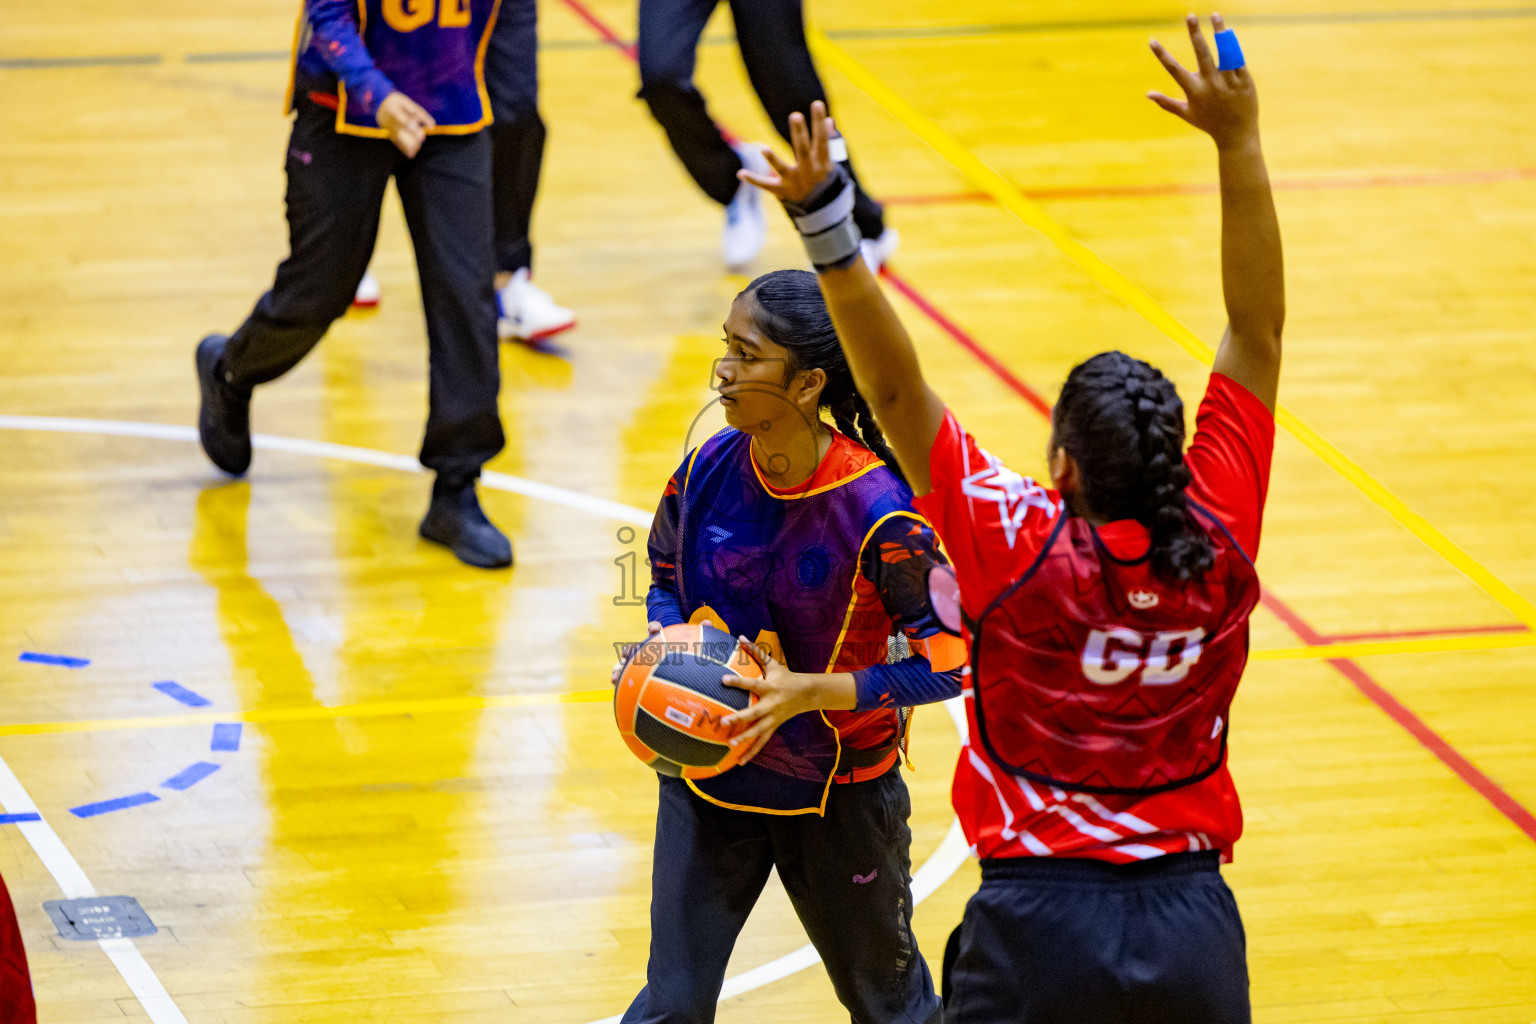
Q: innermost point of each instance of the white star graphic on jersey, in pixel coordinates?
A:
(1015, 495)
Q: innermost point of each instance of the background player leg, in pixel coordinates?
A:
(517, 137)
(710, 867)
(669, 39)
(771, 34)
(848, 875)
(335, 188)
(446, 193)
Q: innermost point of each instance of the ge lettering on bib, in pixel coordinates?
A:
(1091, 674)
(409, 15)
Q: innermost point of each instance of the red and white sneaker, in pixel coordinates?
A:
(528, 313)
(367, 295)
(746, 227)
(876, 251)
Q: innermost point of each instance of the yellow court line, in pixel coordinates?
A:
(1420, 645)
(312, 713)
(391, 708)
(1008, 195)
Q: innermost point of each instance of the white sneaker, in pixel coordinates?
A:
(746, 229)
(528, 313)
(877, 250)
(367, 295)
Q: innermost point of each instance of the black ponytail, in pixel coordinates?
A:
(792, 312)
(1123, 422)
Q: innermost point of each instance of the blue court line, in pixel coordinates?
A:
(122, 803)
(190, 776)
(17, 819)
(53, 659)
(226, 736)
(894, 33)
(181, 693)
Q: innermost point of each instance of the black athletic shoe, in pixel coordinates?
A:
(456, 521)
(224, 417)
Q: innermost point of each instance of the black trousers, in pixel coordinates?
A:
(847, 875)
(1072, 941)
(517, 133)
(771, 35)
(336, 186)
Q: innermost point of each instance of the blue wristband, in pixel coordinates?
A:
(1229, 55)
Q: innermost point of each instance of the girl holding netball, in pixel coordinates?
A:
(1106, 617)
(801, 537)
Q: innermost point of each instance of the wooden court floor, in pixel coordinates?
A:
(426, 814)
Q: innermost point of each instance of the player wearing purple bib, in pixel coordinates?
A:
(384, 89)
(802, 538)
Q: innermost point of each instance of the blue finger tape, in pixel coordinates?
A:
(53, 659)
(17, 819)
(178, 692)
(189, 777)
(122, 803)
(1229, 55)
(226, 736)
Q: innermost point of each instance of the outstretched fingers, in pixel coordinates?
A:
(799, 138)
(821, 130)
(1179, 72)
(1203, 57)
(1178, 108)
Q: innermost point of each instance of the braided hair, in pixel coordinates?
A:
(1123, 422)
(791, 311)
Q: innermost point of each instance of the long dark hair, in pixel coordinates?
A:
(790, 310)
(1123, 422)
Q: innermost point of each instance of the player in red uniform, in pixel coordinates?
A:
(16, 1003)
(1106, 615)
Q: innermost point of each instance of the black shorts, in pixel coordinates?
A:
(1052, 941)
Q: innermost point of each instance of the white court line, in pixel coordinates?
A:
(933, 872)
(66, 871)
(340, 452)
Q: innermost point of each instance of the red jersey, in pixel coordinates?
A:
(994, 524)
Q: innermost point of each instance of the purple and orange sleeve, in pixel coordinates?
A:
(662, 601)
(897, 561)
(336, 37)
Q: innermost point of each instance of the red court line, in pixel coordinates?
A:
(601, 28)
(1408, 634)
(1377, 694)
(1399, 713)
(1034, 398)
(1192, 188)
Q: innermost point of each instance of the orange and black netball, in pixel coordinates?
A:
(670, 704)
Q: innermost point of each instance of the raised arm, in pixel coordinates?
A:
(885, 368)
(1221, 101)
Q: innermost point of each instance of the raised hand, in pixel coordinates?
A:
(1223, 104)
(792, 183)
(405, 120)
